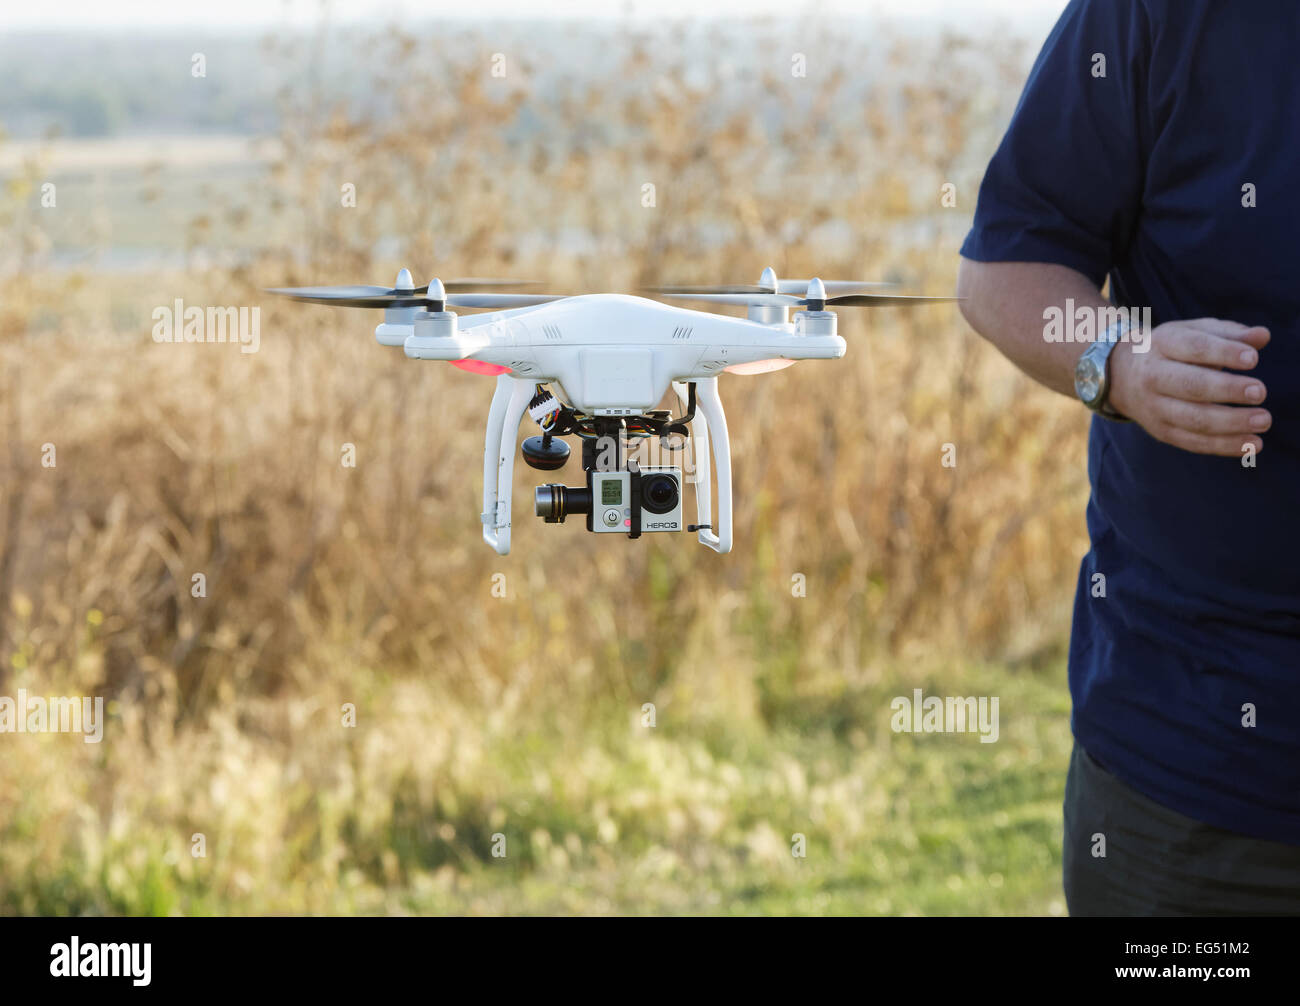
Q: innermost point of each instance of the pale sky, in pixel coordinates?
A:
(142, 14)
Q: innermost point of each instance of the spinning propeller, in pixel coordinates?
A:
(813, 294)
(435, 295)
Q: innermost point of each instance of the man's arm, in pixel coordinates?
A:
(1177, 391)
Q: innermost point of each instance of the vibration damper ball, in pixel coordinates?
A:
(546, 456)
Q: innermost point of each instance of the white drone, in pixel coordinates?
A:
(610, 360)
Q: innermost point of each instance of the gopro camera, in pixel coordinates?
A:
(630, 501)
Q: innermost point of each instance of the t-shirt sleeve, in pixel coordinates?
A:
(1066, 182)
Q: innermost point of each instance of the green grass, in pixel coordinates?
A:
(600, 814)
(894, 824)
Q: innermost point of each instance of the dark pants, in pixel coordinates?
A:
(1158, 862)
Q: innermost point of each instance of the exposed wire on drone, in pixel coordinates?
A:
(545, 408)
(558, 420)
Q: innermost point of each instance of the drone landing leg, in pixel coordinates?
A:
(509, 402)
(710, 414)
(702, 478)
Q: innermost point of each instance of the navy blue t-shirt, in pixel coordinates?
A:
(1145, 175)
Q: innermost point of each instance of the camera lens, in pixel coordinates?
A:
(548, 501)
(659, 493)
(555, 502)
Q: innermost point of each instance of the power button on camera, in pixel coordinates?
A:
(611, 518)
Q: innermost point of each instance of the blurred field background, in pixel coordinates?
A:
(478, 714)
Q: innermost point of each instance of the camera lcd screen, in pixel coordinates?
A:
(611, 492)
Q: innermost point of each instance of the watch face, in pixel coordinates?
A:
(1087, 379)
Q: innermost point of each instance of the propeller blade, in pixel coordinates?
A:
(791, 287)
(378, 296)
(479, 283)
(785, 300)
(886, 300)
(352, 296)
(502, 300)
(834, 287)
(329, 294)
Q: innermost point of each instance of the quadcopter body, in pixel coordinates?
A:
(610, 354)
(596, 366)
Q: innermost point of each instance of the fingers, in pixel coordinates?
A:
(1201, 443)
(1252, 335)
(1208, 429)
(1200, 384)
(1208, 349)
(1212, 420)
(1189, 395)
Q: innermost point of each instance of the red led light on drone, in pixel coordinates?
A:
(481, 367)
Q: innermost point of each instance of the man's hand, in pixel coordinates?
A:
(1179, 392)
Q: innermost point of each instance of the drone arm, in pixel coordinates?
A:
(711, 415)
(508, 404)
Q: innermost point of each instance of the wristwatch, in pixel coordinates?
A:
(1092, 372)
